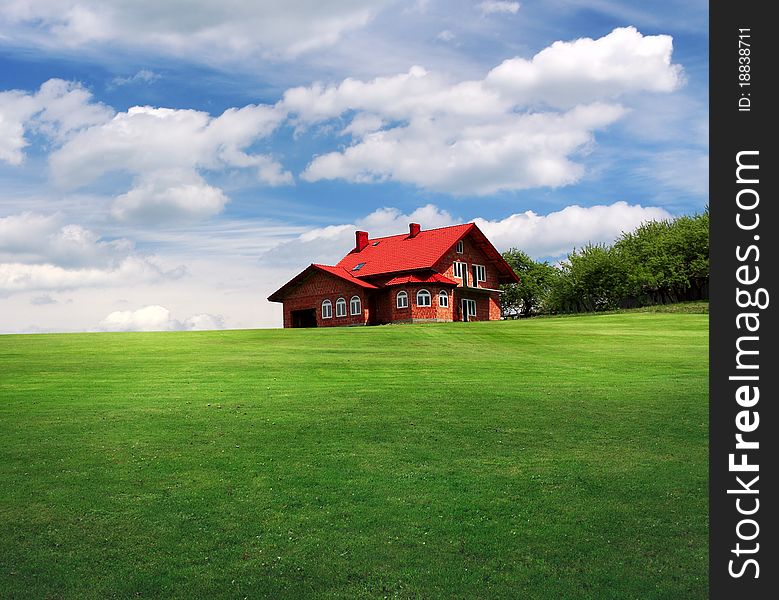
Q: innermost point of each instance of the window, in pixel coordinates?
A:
(443, 299)
(479, 273)
(359, 266)
(355, 305)
(327, 309)
(340, 307)
(402, 300)
(424, 298)
(460, 247)
(468, 312)
(460, 270)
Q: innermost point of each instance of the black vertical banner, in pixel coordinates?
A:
(743, 560)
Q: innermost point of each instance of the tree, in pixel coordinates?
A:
(528, 297)
(669, 260)
(594, 278)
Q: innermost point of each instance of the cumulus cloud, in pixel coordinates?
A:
(37, 252)
(329, 244)
(166, 149)
(35, 238)
(524, 125)
(527, 123)
(214, 31)
(21, 277)
(585, 70)
(145, 139)
(498, 6)
(168, 196)
(551, 235)
(158, 318)
(57, 109)
(558, 233)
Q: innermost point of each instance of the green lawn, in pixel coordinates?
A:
(547, 458)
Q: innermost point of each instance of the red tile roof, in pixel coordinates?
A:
(344, 274)
(403, 253)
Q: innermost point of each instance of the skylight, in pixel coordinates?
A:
(358, 266)
(375, 244)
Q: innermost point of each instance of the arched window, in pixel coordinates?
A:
(340, 307)
(355, 305)
(327, 309)
(402, 300)
(424, 298)
(443, 299)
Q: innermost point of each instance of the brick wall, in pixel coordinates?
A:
(487, 305)
(319, 287)
(471, 255)
(389, 311)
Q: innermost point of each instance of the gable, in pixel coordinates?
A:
(317, 279)
(479, 250)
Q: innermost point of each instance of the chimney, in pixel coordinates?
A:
(361, 240)
(413, 229)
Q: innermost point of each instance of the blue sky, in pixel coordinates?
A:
(192, 156)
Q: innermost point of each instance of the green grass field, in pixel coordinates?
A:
(549, 458)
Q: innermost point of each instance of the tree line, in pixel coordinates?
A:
(659, 262)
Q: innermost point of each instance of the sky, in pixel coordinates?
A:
(168, 165)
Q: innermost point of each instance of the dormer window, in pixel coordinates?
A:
(460, 247)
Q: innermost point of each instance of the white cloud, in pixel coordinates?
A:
(168, 196)
(37, 252)
(145, 139)
(512, 152)
(142, 76)
(217, 31)
(329, 244)
(34, 238)
(21, 277)
(445, 36)
(498, 6)
(166, 149)
(585, 70)
(157, 318)
(524, 125)
(558, 233)
(57, 109)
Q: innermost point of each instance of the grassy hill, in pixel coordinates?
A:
(550, 458)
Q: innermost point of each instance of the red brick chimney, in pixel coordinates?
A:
(413, 229)
(361, 240)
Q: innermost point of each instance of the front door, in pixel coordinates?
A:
(467, 309)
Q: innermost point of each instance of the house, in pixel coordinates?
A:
(445, 274)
